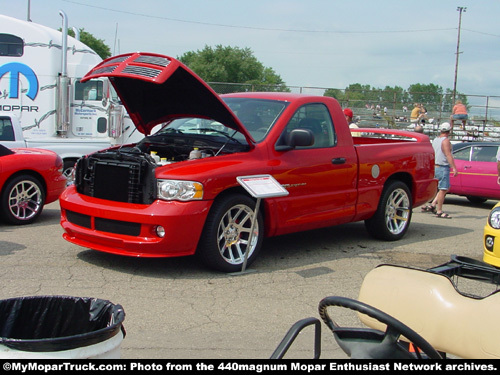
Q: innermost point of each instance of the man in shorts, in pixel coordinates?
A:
(442, 164)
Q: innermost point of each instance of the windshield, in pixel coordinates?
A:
(196, 126)
(257, 115)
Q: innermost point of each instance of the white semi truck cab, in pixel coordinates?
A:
(43, 101)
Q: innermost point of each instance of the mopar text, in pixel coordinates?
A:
(22, 108)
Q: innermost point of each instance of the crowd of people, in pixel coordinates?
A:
(444, 162)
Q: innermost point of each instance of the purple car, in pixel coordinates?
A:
(477, 171)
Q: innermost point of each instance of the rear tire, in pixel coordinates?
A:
(224, 240)
(22, 200)
(392, 218)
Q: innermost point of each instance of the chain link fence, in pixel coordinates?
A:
(388, 109)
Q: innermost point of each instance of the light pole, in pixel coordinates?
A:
(460, 9)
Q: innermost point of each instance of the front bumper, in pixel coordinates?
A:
(131, 229)
(491, 246)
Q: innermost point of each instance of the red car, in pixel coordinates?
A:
(29, 179)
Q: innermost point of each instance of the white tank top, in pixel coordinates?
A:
(440, 157)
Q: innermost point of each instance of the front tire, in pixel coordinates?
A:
(392, 218)
(224, 240)
(22, 200)
(476, 200)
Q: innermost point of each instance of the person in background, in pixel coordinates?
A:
(416, 114)
(443, 163)
(348, 116)
(419, 129)
(459, 112)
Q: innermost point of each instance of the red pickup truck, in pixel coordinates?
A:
(176, 193)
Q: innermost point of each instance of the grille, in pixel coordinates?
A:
(129, 180)
(104, 225)
(78, 219)
(118, 227)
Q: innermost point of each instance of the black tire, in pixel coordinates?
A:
(224, 240)
(393, 216)
(22, 200)
(476, 200)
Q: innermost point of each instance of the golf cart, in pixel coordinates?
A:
(411, 313)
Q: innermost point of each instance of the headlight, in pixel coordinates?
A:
(179, 190)
(494, 218)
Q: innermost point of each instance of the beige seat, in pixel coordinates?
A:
(429, 304)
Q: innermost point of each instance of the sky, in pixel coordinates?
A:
(309, 43)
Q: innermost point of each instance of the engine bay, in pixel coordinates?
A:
(126, 173)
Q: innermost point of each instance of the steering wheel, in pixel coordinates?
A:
(371, 343)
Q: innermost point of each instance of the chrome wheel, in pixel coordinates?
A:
(233, 234)
(22, 200)
(397, 211)
(25, 200)
(393, 216)
(226, 235)
(68, 170)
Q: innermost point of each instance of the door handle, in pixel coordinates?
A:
(338, 161)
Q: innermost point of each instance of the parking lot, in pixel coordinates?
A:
(175, 308)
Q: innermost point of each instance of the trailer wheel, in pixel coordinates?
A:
(22, 200)
(224, 240)
(392, 218)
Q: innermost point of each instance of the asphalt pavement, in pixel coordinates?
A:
(177, 309)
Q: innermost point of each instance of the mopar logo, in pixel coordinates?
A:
(15, 69)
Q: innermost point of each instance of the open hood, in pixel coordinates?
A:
(156, 88)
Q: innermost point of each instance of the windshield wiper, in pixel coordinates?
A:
(231, 137)
(168, 130)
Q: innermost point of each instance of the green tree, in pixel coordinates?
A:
(429, 95)
(335, 93)
(232, 65)
(97, 45)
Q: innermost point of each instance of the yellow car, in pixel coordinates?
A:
(491, 253)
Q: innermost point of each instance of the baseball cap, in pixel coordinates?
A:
(348, 112)
(445, 127)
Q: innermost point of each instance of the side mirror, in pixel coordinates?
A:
(297, 138)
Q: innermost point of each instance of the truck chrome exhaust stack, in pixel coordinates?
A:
(63, 83)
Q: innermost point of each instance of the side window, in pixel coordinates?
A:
(90, 90)
(11, 45)
(484, 153)
(463, 154)
(6, 129)
(316, 118)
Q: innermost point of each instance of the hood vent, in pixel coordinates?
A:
(106, 69)
(153, 60)
(142, 71)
